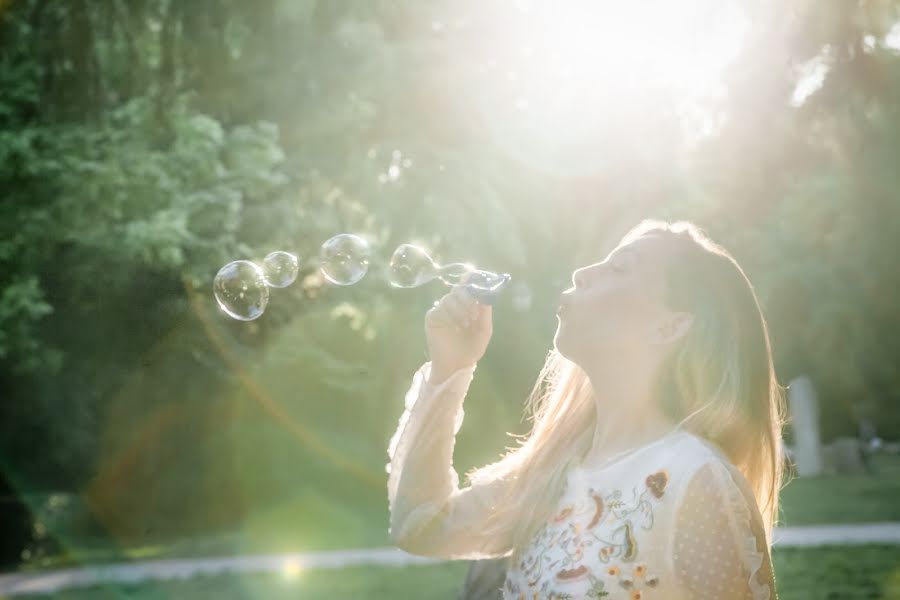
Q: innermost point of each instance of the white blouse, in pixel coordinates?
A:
(672, 519)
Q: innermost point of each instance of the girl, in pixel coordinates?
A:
(653, 465)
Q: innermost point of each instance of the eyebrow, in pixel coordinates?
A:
(623, 251)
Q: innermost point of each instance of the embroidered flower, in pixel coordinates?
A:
(656, 483)
(636, 595)
(562, 515)
(598, 510)
(571, 574)
(597, 588)
(640, 570)
(614, 571)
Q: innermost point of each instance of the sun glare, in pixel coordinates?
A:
(558, 72)
(291, 569)
(682, 45)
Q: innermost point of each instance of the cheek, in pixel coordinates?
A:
(616, 314)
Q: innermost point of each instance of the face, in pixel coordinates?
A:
(615, 308)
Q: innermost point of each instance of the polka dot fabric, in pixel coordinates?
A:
(719, 546)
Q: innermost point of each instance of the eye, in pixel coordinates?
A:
(580, 279)
(620, 264)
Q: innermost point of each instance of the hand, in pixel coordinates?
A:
(457, 329)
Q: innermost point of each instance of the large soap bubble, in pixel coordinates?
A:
(241, 291)
(344, 259)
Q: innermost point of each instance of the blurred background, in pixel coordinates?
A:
(145, 143)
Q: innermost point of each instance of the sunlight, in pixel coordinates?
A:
(811, 77)
(291, 569)
(558, 74)
(684, 45)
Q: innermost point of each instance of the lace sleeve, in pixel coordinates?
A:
(430, 515)
(720, 549)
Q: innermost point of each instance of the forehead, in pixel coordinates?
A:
(646, 249)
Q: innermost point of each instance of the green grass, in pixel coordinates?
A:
(372, 583)
(848, 572)
(845, 498)
(311, 522)
(839, 573)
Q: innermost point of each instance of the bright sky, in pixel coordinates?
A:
(558, 72)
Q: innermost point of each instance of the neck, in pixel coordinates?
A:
(628, 415)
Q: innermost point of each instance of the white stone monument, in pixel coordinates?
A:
(804, 407)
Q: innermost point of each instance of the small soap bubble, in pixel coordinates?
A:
(344, 259)
(280, 268)
(453, 273)
(411, 266)
(487, 281)
(241, 291)
(484, 286)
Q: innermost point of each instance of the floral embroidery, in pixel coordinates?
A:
(563, 515)
(598, 589)
(556, 553)
(571, 574)
(656, 483)
(640, 575)
(598, 510)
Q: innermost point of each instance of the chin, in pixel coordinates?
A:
(560, 345)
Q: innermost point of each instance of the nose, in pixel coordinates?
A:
(578, 281)
(579, 278)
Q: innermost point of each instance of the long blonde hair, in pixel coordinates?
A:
(719, 384)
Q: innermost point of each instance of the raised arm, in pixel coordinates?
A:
(430, 514)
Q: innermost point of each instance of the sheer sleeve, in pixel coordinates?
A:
(720, 548)
(430, 514)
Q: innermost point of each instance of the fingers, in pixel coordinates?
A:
(456, 309)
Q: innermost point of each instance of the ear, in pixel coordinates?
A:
(672, 327)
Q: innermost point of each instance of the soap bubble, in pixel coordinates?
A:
(453, 273)
(280, 269)
(484, 285)
(241, 291)
(487, 281)
(411, 266)
(344, 259)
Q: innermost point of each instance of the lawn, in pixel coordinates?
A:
(870, 572)
(845, 498)
(324, 526)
